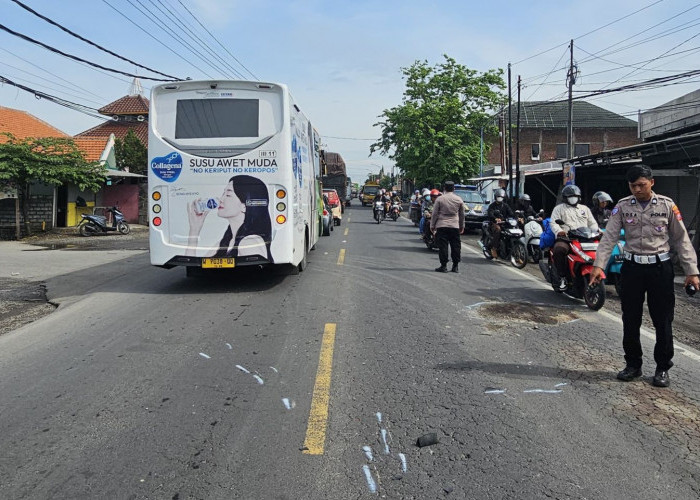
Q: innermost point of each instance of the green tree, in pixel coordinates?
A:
(51, 160)
(131, 154)
(434, 134)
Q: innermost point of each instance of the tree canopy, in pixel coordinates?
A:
(434, 134)
(131, 154)
(51, 160)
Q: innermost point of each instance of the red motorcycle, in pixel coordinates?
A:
(583, 244)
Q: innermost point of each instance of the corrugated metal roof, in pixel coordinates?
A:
(545, 114)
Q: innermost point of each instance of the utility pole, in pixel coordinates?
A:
(510, 144)
(570, 125)
(517, 145)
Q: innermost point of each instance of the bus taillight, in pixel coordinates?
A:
(157, 221)
(156, 195)
(281, 219)
(281, 193)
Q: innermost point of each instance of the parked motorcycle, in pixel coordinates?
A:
(395, 210)
(94, 224)
(510, 247)
(583, 244)
(531, 238)
(378, 211)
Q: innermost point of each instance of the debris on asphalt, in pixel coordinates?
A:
(427, 439)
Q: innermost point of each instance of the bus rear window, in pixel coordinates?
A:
(207, 118)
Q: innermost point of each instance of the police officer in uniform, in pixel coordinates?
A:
(653, 226)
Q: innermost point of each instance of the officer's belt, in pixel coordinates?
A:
(646, 259)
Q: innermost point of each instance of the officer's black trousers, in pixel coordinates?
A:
(656, 281)
(448, 236)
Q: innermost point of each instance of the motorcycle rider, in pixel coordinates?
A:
(525, 205)
(497, 212)
(427, 206)
(574, 215)
(601, 209)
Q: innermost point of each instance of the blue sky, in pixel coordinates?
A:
(342, 60)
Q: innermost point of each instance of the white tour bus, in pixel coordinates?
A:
(233, 177)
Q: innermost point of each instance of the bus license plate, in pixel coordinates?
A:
(218, 263)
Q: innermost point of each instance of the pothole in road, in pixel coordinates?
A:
(526, 313)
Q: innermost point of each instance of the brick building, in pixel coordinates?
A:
(543, 132)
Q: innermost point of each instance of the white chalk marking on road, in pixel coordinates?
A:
(543, 391)
(386, 445)
(370, 480)
(205, 356)
(404, 465)
(274, 369)
(344, 241)
(368, 453)
(242, 369)
(573, 321)
(229, 346)
(288, 403)
(561, 384)
(259, 379)
(494, 391)
(480, 304)
(379, 417)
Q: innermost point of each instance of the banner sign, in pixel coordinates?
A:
(569, 174)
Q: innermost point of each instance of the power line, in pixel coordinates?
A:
(193, 36)
(589, 33)
(217, 41)
(75, 58)
(155, 38)
(63, 28)
(56, 100)
(347, 138)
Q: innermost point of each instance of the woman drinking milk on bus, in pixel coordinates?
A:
(244, 204)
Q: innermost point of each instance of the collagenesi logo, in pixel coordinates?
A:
(167, 167)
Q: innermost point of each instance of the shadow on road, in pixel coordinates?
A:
(527, 371)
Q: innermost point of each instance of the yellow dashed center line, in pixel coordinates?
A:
(318, 417)
(346, 231)
(341, 257)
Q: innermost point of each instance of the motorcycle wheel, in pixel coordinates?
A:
(518, 255)
(536, 254)
(595, 297)
(486, 247)
(123, 228)
(87, 229)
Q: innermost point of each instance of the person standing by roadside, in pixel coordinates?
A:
(447, 222)
(653, 226)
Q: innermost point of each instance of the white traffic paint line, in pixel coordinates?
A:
(679, 346)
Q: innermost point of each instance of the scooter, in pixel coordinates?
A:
(531, 238)
(414, 213)
(394, 211)
(379, 211)
(94, 224)
(614, 266)
(428, 236)
(583, 244)
(510, 247)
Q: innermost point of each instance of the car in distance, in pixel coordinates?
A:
(475, 206)
(335, 204)
(327, 218)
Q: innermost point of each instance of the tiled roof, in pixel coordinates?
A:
(543, 114)
(93, 147)
(119, 129)
(21, 124)
(127, 105)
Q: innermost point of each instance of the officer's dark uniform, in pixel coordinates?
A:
(650, 233)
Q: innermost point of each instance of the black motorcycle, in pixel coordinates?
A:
(94, 224)
(428, 236)
(510, 247)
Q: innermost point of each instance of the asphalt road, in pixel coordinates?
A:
(146, 384)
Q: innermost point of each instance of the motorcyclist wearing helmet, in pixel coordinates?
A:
(497, 212)
(525, 205)
(602, 207)
(574, 215)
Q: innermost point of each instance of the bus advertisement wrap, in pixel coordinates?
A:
(219, 198)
